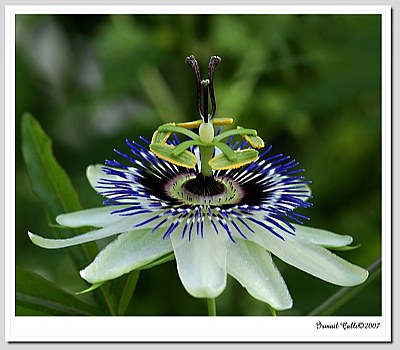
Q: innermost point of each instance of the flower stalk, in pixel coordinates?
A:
(211, 306)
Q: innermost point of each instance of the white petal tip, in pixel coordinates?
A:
(69, 219)
(352, 276)
(359, 278)
(32, 236)
(90, 169)
(40, 241)
(94, 173)
(86, 276)
(83, 274)
(205, 293)
(347, 240)
(60, 220)
(281, 307)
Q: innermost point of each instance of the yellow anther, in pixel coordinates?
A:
(190, 125)
(222, 121)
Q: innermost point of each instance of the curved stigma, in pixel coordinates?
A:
(191, 61)
(205, 86)
(214, 60)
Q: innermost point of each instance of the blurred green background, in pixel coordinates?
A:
(310, 85)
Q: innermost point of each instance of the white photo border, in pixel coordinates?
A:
(193, 329)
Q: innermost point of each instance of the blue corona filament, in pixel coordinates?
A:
(265, 192)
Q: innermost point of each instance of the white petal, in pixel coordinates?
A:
(322, 237)
(201, 262)
(121, 226)
(308, 189)
(95, 172)
(253, 267)
(97, 217)
(128, 252)
(309, 257)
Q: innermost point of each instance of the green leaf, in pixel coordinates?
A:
(28, 311)
(158, 92)
(244, 157)
(51, 184)
(121, 291)
(90, 289)
(185, 159)
(54, 189)
(37, 296)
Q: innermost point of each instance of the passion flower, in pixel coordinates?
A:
(217, 206)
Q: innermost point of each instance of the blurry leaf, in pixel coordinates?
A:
(121, 291)
(235, 98)
(27, 311)
(91, 288)
(159, 94)
(345, 294)
(37, 296)
(53, 187)
(123, 48)
(51, 184)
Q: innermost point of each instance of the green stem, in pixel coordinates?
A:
(343, 295)
(212, 309)
(273, 311)
(206, 153)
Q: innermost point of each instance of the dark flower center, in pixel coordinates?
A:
(198, 190)
(204, 186)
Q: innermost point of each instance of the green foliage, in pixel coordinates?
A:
(309, 85)
(35, 295)
(52, 185)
